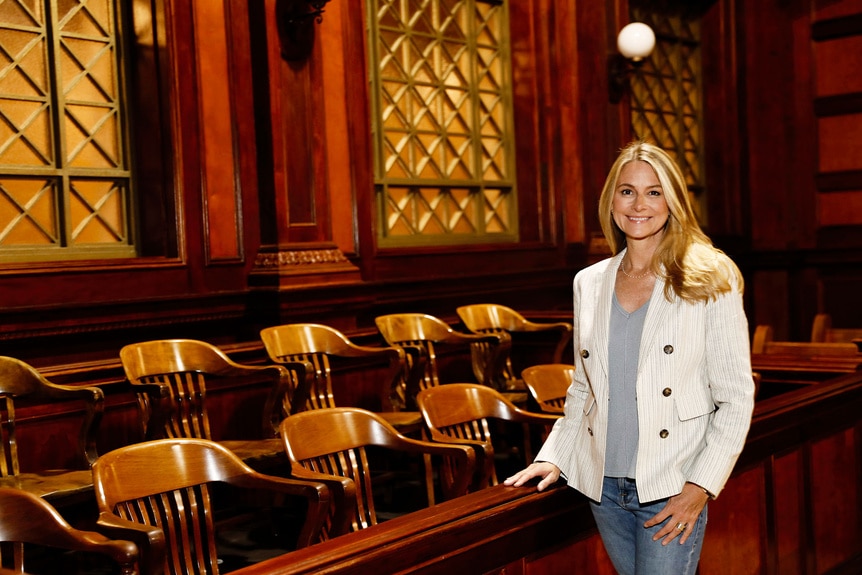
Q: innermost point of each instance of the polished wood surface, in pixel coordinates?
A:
(27, 518)
(183, 367)
(776, 515)
(460, 413)
(548, 384)
(320, 345)
(495, 318)
(332, 443)
(20, 383)
(822, 331)
(159, 493)
(428, 333)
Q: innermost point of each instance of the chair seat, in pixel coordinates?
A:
(403, 421)
(62, 485)
(256, 450)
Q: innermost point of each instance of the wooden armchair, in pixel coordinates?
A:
(318, 345)
(548, 384)
(20, 381)
(489, 318)
(27, 518)
(412, 330)
(332, 442)
(459, 413)
(162, 491)
(184, 367)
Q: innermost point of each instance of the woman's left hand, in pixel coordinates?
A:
(680, 510)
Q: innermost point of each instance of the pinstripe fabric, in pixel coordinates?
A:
(694, 387)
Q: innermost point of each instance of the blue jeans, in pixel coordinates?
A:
(620, 518)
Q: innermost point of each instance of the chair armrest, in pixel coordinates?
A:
(149, 539)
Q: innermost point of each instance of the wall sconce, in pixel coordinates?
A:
(295, 22)
(634, 42)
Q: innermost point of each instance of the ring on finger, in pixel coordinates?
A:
(681, 526)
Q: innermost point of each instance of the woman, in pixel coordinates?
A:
(662, 397)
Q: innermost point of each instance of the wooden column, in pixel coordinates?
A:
(297, 246)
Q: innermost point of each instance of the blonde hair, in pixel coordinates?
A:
(694, 270)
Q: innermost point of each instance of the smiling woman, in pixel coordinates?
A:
(664, 364)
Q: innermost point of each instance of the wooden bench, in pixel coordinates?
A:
(822, 331)
(786, 365)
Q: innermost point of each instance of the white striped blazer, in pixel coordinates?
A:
(695, 392)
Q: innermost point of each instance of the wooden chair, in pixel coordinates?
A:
(162, 491)
(183, 367)
(332, 443)
(318, 345)
(489, 318)
(20, 381)
(459, 413)
(548, 384)
(27, 518)
(423, 331)
(822, 331)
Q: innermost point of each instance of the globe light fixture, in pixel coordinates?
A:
(634, 42)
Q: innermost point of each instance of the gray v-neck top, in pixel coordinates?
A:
(623, 353)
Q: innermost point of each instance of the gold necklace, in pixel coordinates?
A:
(643, 275)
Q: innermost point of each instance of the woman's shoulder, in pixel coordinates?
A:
(597, 268)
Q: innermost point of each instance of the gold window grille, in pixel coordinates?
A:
(442, 122)
(665, 97)
(65, 185)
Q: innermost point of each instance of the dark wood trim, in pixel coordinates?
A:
(839, 181)
(835, 28)
(838, 105)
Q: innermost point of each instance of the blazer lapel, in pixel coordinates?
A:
(604, 301)
(658, 310)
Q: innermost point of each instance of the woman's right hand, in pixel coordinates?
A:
(547, 471)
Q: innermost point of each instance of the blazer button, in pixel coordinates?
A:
(590, 431)
(668, 349)
(663, 433)
(585, 354)
(666, 392)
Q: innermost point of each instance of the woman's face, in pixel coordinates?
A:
(639, 207)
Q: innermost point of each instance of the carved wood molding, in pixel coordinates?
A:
(301, 266)
(299, 257)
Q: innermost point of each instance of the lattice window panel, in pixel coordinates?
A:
(442, 122)
(64, 178)
(666, 100)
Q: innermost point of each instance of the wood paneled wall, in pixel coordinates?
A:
(257, 188)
